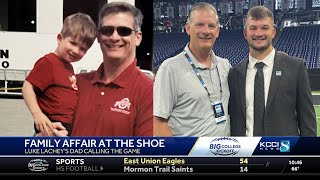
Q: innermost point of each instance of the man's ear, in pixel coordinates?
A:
(138, 38)
(274, 32)
(245, 33)
(188, 29)
(218, 31)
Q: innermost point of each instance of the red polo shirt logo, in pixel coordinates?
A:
(120, 106)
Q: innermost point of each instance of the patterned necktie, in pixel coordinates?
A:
(258, 129)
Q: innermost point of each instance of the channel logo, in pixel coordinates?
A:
(38, 165)
(224, 146)
(282, 146)
(285, 146)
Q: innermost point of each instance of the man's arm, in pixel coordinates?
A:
(305, 110)
(165, 98)
(43, 124)
(160, 127)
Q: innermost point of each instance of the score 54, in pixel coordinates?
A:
(244, 161)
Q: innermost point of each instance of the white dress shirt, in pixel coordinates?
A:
(251, 73)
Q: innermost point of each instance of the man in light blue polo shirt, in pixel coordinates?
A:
(191, 91)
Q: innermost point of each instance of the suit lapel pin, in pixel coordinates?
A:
(278, 73)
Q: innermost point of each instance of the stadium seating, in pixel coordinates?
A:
(302, 42)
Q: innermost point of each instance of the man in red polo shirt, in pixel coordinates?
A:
(117, 99)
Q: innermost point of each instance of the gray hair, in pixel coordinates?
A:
(204, 6)
(122, 7)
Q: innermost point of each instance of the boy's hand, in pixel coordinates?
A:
(55, 132)
(43, 124)
(59, 130)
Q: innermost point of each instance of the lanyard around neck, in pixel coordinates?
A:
(200, 78)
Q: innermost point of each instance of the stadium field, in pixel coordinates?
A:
(317, 108)
(316, 92)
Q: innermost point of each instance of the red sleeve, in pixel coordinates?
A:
(144, 121)
(41, 75)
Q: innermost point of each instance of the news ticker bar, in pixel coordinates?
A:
(159, 165)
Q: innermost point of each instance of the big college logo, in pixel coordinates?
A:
(38, 165)
(122, 106)
(224, 146)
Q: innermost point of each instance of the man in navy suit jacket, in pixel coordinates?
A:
(288, 108)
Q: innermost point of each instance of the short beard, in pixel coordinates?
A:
(262, 48)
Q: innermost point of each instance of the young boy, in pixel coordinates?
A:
(50, 90)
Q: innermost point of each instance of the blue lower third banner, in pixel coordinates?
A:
(159, 155)
(181, 146)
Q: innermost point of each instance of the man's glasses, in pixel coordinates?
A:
(122, 30)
